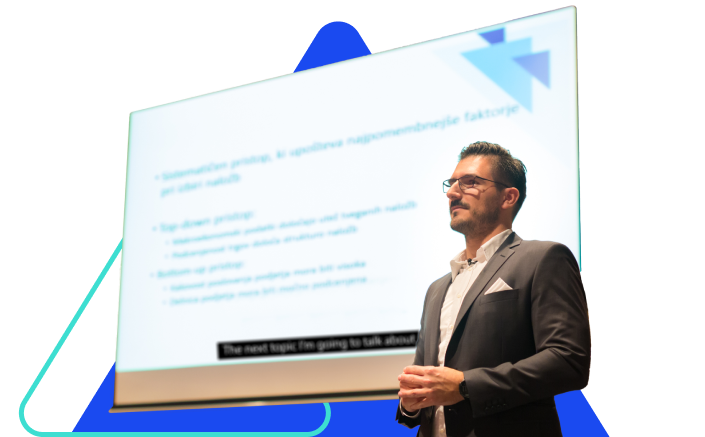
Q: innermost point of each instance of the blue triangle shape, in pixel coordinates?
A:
(493, 36)
(576, 415)
(537, 64)
(335, 42)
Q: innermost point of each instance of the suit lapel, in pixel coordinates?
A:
(498, 259)
(433, 328)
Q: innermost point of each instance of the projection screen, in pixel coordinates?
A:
(279, 237)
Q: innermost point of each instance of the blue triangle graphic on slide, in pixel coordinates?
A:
(537, 64)
(497, 63)
(335, 42)
(493, 36)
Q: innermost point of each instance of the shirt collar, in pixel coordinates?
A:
(484, 253)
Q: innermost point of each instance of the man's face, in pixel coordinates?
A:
(476, 212)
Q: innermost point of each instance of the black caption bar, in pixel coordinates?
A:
(315, 345)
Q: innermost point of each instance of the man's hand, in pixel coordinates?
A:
(410, 403)
(424, 386)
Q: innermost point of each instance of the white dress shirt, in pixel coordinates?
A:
(462, 277)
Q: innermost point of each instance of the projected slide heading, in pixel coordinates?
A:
(215, 170)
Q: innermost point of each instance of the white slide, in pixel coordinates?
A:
(262, 219)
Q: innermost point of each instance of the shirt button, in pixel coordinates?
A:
(458, 296)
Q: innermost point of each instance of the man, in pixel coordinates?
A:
(507, 328)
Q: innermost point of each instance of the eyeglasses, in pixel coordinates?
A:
(466, 182)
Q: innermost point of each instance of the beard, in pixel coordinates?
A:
(479, 223)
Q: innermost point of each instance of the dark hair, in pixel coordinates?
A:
(505, 168)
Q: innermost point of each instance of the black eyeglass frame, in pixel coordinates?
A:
(447, 185)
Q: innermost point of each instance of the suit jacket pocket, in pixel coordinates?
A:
(500, 296)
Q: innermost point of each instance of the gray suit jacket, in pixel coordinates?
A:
(517, 348)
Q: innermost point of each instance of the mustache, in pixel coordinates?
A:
(457, 202)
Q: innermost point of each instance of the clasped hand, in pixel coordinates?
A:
(424, 386)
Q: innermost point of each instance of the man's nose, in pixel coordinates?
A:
(454, 192)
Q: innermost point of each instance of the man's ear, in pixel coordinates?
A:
(510, 198)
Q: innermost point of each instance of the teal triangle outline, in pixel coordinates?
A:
(61, 342)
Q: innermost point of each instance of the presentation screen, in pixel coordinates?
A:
(279, 237)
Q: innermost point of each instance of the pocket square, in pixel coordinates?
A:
(499, 285)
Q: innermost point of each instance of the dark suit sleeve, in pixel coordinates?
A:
(411, 422)
(559, 318)
(418, 357)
